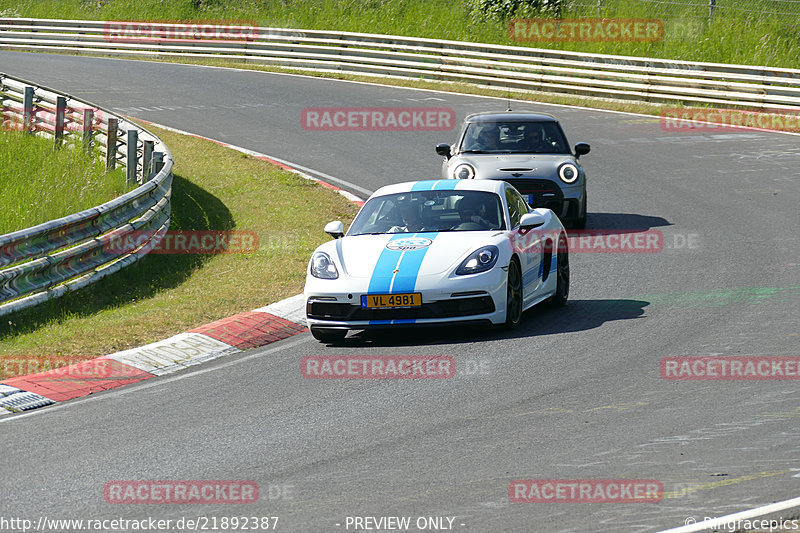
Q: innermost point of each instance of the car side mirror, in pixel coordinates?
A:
(531, 220)
(443, 149)
(582, 149)
(335, 229)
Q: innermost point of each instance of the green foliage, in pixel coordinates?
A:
(504, 10)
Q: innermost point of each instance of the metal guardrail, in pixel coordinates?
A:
(505, 67)
(50, 259)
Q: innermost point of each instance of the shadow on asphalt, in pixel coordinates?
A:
(622, 221)
(193, 208)
(577, 315)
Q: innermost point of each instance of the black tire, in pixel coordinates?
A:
(513, 295)
(559, 299)
(580, 222)
(328, 335)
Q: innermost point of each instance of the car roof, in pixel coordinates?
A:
(510, 116)
(495, 186)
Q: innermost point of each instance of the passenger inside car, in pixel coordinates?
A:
(486, 141)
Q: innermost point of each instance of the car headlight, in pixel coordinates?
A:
(322, 266)
(464, 172)
(479, 261)
(568, 173)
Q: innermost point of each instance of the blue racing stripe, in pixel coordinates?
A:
(423, 185)
(434, 185)
(531, 276)
(384, 280)
(382, 275)
(406, 278)
(445, 185)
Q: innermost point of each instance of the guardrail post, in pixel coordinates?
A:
(61, 110)
(88, 139)
(133, 145)
(111, 144)
(27, 110)
(599, 8)
(711, 4)
(158, 162)
(147, 160)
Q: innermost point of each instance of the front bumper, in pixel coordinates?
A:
(565, 201)
(480, 297)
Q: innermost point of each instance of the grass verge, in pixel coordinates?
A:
(161, 295)
(39, 183)
(756, 33)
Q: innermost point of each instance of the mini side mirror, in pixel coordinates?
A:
(443, 149)
(582, 149)
(335, 229)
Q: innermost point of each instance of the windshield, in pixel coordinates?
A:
(514, 138)
(418, 211)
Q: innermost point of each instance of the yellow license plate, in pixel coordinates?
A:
(384, 301)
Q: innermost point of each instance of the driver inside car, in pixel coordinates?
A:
(412, 222)
(533, 142)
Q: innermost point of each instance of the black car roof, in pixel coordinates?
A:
(511, 116)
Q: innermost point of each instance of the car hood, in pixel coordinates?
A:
(411, 254)
(488, 166)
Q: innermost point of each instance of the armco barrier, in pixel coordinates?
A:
(507, 67)
(48, 260)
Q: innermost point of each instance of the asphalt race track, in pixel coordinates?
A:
(574, 393)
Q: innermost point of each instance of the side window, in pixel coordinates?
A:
(523, 205)
(514, 210)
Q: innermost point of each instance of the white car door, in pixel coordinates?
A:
(527, 244)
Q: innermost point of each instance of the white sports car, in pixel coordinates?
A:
(435, 252)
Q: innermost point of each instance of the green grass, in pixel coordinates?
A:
(162, 295)
(39, 183)
(732, 35)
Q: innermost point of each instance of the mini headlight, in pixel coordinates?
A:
(322, 267)
(464, 172)
(568, 173)
(480, 260)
